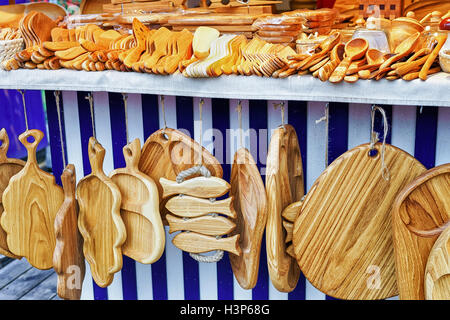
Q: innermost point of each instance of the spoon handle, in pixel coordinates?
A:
(339, 73)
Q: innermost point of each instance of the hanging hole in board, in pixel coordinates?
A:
(373, 153)
(128, 151)
(31, 139)
(165, 136)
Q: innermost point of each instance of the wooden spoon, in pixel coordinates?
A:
(402, 50)
(354, 49)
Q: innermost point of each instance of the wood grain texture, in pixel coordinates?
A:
(437, 271)
(99, 219)
(167, 152)
(68, 257)
(343, 235)
(421, 213)
(292, 211)
(199, 243)
(202, 187)
(139, 209)
(284, 185)
(250, 202)
(190, 207)
(207, 225)
(30, 203)
(8, 168)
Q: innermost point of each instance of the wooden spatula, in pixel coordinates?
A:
(68, 257)
(139, 209)
(28, 220)
(421, 213)
(8, 168)
(99, 219)
(343, 234)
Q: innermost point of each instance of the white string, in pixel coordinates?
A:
(326, 118)
(125, 106)
(90, 98)
(374, 138)
(22, 92)
(58, 110)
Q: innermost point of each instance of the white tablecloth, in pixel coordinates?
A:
(433, 92)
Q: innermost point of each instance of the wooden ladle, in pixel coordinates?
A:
(354, 49)
(374, 59)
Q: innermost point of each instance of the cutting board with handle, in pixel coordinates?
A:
(30, 203)
(250, 203)
(437, 271)
(8, 168)
(421, 213)
(99, 220)
(343, 235)
(284, 185)
(68, 258)
(139, 209)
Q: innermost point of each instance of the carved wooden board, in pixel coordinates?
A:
(199, 243)
(99, 219)
(207, 225)
(8, 168)
(203, 187)
(343, 234)
(140, 209)
(250, 203)
(190, 207)
(284, 185)
(68, 257)
(421, 213)
(30, 203)
(167, 152)
(437, 272)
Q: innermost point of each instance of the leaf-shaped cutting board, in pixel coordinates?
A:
(68, 258)
(343, 234)
(421, 213)
(167, 152)
(140, 209)
(250, 204)
(437, 272)
(284, 185)
(30, 203)
(8, 168)
(99, 219)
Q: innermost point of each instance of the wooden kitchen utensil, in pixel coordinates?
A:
(342, 236)
(68, 258)
(284, 185)
(28, 220)
(437, 272)
(8, 168)
(421, 213)
(354, 49)
(198, 243)
(99, 219)
(207, 225)
(139, 209)
(197, 187)
(250, 203)
(191, 207)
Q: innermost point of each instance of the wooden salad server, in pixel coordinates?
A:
(284, 185)
(250, 204)
(343, 235)
(68, 257)
(30, 203)
(354, 49)
(99, 220)
(421, 213)
(437, 271)
(139, 209)
(8, 168)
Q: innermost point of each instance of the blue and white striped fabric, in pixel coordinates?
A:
(422, 131)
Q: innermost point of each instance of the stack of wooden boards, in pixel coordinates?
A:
(123, 6)
(282, 29)
(36, 28)
(319, 21)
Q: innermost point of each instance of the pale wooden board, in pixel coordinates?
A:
(284, 185)
(250, 203)
(422, 210)
(343, 235)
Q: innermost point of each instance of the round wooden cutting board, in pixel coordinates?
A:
(250, 204)
(284, 185)
(343, 234)
(421, 213)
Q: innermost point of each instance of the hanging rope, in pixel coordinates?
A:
(90, 98)
(200, 111)
(125, 106)
(282, 108)
(239, 111)
(326, 118)
(163, 112)
(22, 92)
(58, 110)
(374, 138)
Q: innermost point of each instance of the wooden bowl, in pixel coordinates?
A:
(444, 60)
(402, 28)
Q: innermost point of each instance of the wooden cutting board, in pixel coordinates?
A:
(8, 168)
(343, 234)
(421, 213)
(284, 185)
(99, 219)
(30, 203)
(139, 209)
(167, 152)
(437, 272)
(68, 257)
(250, 204)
